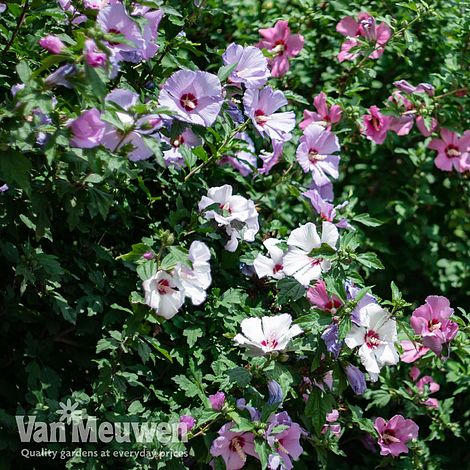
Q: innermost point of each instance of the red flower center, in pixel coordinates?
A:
(279, 47)
(163, 286)
(434, 324)
(260, 117)
(372, 339)
(236, 444)
(114, 31)
(452, 151)
(389, 437)
(188, 101)
(277, 268)
(270, 343)
(178, 141)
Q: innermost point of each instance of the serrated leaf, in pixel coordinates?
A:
(289, 290)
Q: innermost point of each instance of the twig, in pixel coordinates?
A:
(17, 29)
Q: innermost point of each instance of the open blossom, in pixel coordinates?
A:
(93, 56)
(244, 160)
(376, 125)
(282, 44)
(195, 96)
(261, 106)
(376, 336)
(52, 44)
(233, 447)
(365, 28)
(315, 153)
(412, 351)
(453, 152)
(318, 297)
(196, 278)
(130, 141)
(95, 4)
(87, 130)
(265, 335)
(173, 156)
(164, 293)
(299, 260)
(270, 266)
(114, 19)
(150, 32)
(237, 214)
(252, 66)
(431, 321)
(285, 443)
(325, 115)
(395, 434)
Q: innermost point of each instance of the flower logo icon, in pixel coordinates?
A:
(68, 412)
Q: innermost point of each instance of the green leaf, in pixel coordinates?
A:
(225, 71)
(176, 256)
(289, 290)
(147, 270)
(319, 404)
(370, 260)
(367, 220)
(263, 450)
(192, 334)
(14, 168)
(239, 375)
(24, 72)
(189, 388)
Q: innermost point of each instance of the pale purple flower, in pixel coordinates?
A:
(233, 447)
(3, 7)
(315, 153)
(334, 429)
(331, 338)
(271, 159)
(87, 130)
(325, 209)
(244, 160)
(66, 5)
(4, 188)
(432, 322)
(261, 106)
(351, 293)
(148, 255)
(325, 190)
(298, 261)
(59, 77)
(376, 125)
(404, 86)
(195, 97)
(265, 335)
(252, 66)
(114, 19)
(325, 115)
(17, 88)
(395, 434)
(217, 400)
(150, 32)
(285, 443)
(255, 415)
(95, 4)
(52, 44)
(356, 379)
(93, 56)
(282, 44)
(173, 156)
(275, 393)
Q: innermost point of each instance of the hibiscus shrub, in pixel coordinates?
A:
(247, 219)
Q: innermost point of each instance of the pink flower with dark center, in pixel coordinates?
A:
(261, 106)
(395, 434)
(376, 125)
(282, 44)
(366, 28)
(452, 151)
(325, 115)
(52, 44)
(173, 156)
(431, 321)
(194, 96)
(315, 153)
(88, 129)
(233, 447)
(318, 296)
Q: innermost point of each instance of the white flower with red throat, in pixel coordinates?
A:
(298, 261)
(273, 266)
(237, 214)
(197, 278)
(265, 335)
(164, 294)
(376, 335)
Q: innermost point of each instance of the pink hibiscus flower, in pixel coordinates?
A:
(324, 115)
(395, 434)
(452, 151)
